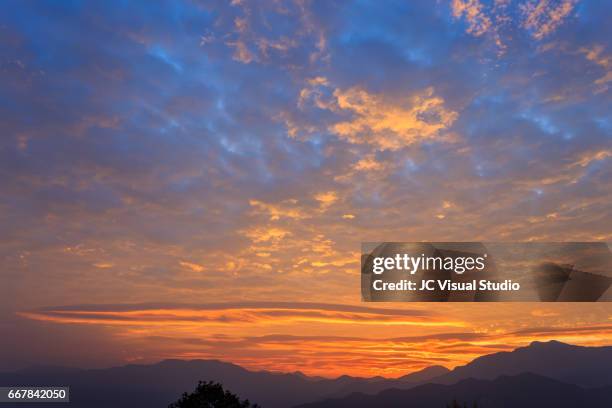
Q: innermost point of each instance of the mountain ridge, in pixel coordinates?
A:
(168, 379)
(581, 365)
(525, 390)
(156, 385)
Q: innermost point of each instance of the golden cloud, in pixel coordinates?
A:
(389, 124)
(317, 338)
(326, 198)
(266, 234)
(543, 17)
(596, 55)
(285, 209)
(385, 122)
(247, 313)
(538, 17)
(478, 22)
(590, 157)
(194, 267)
(368, 163)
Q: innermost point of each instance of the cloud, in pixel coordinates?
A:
(500, 21)
(542, 17)
(248, 32)
(473, 11)
(249, 313)
(383, 122)
(316, 338)
(241, 52)
(194, 267)
(591, 157)
(326, 198)
(266, 234)
(597, 55)
(151, 144)
(103, 265)
(368, 163)
(389, 124)
(287, 208)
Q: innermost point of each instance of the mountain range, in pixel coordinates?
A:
(523, 390)
(542, 374)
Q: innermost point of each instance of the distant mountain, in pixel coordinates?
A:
(159, 384)
(425, 374)
(584, 366)
(524, 391)
(378, 384)
(156, 385)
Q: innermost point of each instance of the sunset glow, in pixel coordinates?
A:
(193, 179)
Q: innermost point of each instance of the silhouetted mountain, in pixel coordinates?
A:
(584, 366)
(425, 374)
(159, 384)
(524, 390)
(378, 384)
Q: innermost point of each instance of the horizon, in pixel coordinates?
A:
(300, 373)
(193, 179)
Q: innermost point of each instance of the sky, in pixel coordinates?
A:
(193, 179)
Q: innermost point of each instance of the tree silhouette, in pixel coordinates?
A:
(211, 395)
(455, 404)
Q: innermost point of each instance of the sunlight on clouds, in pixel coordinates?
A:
(287, 208)
(481, 22)
(325, 339)
(294, 131)
(315, 93)
(241, 52)
(543, 313)
(194, 267)
(368, 163)
(597, 55)
(250, 45)
(591, 157)
(266, 234)
(326, 198)
(103, 265)
(389, 124)
(478, 22)
(542, 17)
(379, 120)
(252, 314)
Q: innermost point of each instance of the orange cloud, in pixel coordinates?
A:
(103, 265)
(538, 17)
(368, 163)
(326, 198)
(285, 209)
(266, 234)
(389, 124)
(382, 121)
(266, 313)
(597, 55)
(478, 22)
(590, 157)
(543, 17)
(323, 339)
(191, 266)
